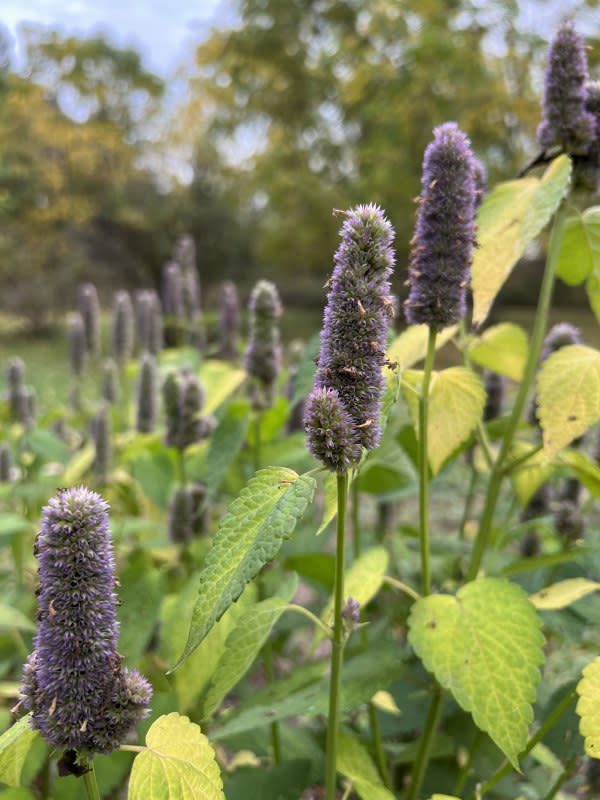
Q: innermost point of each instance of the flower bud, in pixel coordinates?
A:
(331, 434)
(262, 359)
(180, 516)
(110, 381)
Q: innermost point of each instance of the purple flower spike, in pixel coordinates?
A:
(73, 683)
(331, 434)
(355, 323)
(442, 247)
(561, 335)
(565, 121)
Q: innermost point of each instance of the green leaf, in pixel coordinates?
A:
(250, 534)
(387, 469)
(305, 373)
(503, 349)
(588, 708)
(47, 445)
(13, 619)
(510, 218)
(194, 675)
(456, 402)
(563, 593)
(141, 591)
(221, 379)
(330, 495)
(362, 581)
(584, 468)
(225, 444)
(178, 763)
(485, 646)
(79, 465)
(410, 346)
(363, 676)
(15, 744)
(11, 525)
(355, 763)
(242, 647)
(568, 390)
(530, 474)
(579, 254)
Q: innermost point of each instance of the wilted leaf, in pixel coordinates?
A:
(563, 593)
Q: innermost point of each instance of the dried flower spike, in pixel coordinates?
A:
(73, 683)
(565, 121)
(353, 341)
(444, 235)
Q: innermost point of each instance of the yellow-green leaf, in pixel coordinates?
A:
(510, 218)
(588, 708)
(363, 579)
(502, 348)
(221, 379)
(563, 593)
(410, 346)
(178, 764)
(580, 247)
(485, 646)
(531, 474)
(15, 744)
(355, 763)
(456, 401)
(385, 702)
(568, 389)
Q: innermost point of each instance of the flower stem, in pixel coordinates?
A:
(424, 463)
(301, 610)
(420, 765)
(536, 344)
(564, 775)
(337, 645)
(91, 785)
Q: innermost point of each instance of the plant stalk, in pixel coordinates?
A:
(420, 765)
(91, 785)
(337, 644)
(424, 463)
(537, 341)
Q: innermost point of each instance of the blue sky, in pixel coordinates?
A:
(163, 30)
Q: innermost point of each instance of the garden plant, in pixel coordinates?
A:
(396, 598)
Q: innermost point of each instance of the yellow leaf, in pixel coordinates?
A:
(563, 593)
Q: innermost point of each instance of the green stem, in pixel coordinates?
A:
(562, 778)
(269, 675)
(91, 786)
(311, 617)
(181, 462)
(420, 765)
(503, 771)
(464, 773)
(337, 645)
(537, 341)
(373, 718)
(403, 587)
(256, 450)
(424, 463)
(468, 502)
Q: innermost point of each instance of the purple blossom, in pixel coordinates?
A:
(89, 308)
(229, 321)
(73, 683)
(442, 247)
(354, 334)
(565, 121)
(122, 327)
(77, 345)
(331, 435)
